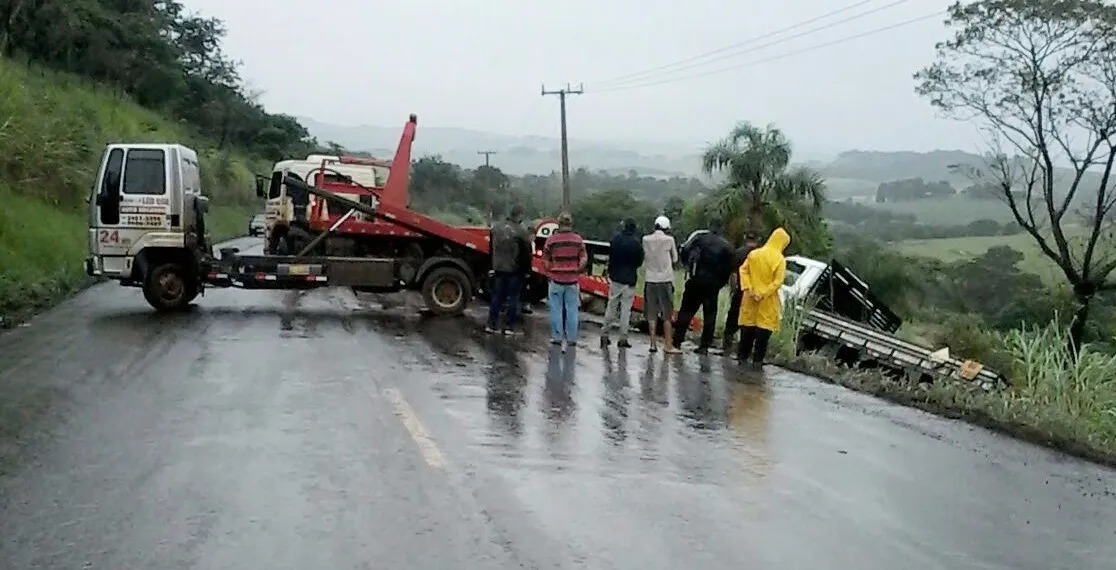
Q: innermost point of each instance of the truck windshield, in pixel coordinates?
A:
(794, 271)
(145, 172)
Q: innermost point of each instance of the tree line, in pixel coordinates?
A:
(911, 189)
(891, 226)
(158, 54)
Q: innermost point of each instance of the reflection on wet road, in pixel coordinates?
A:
(317, 430)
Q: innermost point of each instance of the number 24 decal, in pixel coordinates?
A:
(109, 236)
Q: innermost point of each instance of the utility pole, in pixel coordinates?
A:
(561, 93)
(487, 154)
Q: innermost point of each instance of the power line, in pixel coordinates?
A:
(772, 58)
(562, 93)
(487, 154)
(653, 70)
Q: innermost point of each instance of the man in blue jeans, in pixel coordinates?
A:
(510, 245)
(564, 260)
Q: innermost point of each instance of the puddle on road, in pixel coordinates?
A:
(613, 412)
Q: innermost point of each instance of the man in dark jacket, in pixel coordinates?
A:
(510, 244)
(710, 262)
(625, 256)
(751, 241)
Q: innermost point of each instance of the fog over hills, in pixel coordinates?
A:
(526, 154)
(849, 173)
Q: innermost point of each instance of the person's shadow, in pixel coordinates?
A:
(617, 396)
(557, 399)
(506, 380)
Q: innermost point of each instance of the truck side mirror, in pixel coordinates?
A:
(261, 188)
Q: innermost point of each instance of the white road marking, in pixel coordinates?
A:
(426, 445)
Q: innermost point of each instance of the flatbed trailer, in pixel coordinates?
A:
(849, 323)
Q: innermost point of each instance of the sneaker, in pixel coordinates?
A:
(509, 332)
(653, 349)
(526, 310)
(555, 341)
(624, 343)
(490, 330)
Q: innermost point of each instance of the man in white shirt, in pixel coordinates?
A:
(660, 256)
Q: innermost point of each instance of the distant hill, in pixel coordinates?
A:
(883, 166)
(517, 154)
(851, 174)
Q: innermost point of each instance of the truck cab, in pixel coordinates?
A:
(147, 220)
(281, 208)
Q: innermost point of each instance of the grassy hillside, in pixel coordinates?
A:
(53, 128)
(956, 249)
(956, 210)
(1034, 261)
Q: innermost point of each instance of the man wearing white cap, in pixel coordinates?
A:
(660, 255)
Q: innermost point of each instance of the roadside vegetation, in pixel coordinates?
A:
(76, 75)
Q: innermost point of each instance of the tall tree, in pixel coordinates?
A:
(758, 176)
(1039, 77)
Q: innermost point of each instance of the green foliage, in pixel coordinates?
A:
(598, 215)
(41, 250)
(784, 343)
(649, 187)
(956, 210)
(912, 189)
(759, 177)
(92, 62)
(474, 195)
(1067, 393)
(891, 226)
(158, 54)
(1037, 76)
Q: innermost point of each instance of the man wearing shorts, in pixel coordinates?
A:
(660, 255)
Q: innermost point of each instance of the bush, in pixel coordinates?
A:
(53, 128)
(784, 343)
(1053, 389)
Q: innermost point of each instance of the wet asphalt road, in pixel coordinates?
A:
(278, 430)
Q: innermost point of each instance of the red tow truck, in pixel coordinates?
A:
(331, 221)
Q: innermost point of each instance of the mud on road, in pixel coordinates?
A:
(321, 430)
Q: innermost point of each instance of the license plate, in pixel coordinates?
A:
(299, 270)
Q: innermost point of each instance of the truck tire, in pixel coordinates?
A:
(446, 291)
(168, 288)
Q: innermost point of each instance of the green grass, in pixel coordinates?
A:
(957, 249)
(41, 253)
(53, 129)
(953, 211)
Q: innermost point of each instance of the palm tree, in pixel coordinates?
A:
(759, 178)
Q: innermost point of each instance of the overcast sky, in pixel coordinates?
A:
(479, 65)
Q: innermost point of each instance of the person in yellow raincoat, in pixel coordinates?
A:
(761, 275)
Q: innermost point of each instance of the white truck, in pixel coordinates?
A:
(851, 324)
(147, 230)
(856, 328)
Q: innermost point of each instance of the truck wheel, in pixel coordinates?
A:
(168, 288)
(446, 291)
